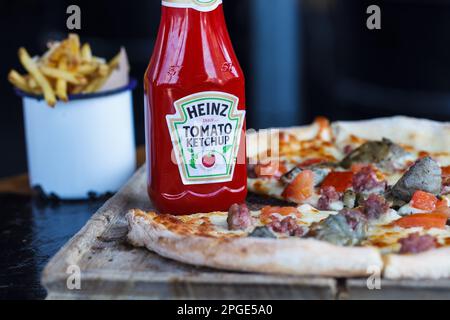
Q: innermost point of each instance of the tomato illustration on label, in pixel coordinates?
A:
(206, 132)
(209, 161)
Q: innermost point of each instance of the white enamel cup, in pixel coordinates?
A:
(83, 147)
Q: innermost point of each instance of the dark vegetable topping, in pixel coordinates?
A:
(424, 175)
(383, 153)
(347, 228)
(262, 232)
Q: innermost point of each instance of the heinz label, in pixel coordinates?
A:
(200, 5)
(206, 134)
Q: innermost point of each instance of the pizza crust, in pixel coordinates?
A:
(422, 134)
(300, 257)
(400, 129)
(434, 264)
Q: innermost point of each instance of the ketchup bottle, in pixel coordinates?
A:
(195, 112)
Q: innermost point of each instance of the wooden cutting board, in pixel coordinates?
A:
(109, 268)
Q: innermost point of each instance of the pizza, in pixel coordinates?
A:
(352, 196)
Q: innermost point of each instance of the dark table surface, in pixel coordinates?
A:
(32, 231)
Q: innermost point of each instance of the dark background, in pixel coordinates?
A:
(301, 58)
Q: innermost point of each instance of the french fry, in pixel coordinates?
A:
(77, 89)
(61, 84)
(98, 60)
(98, 83)
(56, 51)
(33, 69)
(103, 70)
(69, 48)
(95, 85)
(62, 74)
(32, 84)
(87, 69)
(66, 68)
(19, 81)
(73, 42)
(86, 53)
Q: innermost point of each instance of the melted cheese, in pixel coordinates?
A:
(408, 209)
(297, 150)
(337, 205)
(311, 215)
(384, 235)
(393, 178)
(266, 186)
(307, 215)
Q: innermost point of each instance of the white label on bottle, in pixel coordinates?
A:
(200, 5)
(206, 133)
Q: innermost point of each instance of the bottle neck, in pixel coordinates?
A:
(198, 37)
(182, 15)
(199, 5)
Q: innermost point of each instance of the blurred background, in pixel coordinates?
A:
(301, 58)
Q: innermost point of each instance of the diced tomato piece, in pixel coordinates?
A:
(444, 210)
(446, 175)
(310, 162)
(272, 169)
(424, 201)
(426, 220)
(301, 188)
(268, 211)
(341, 181)
(423, 154)
(446, 171)
(284, 211)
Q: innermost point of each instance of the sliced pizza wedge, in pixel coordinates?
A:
(357, 195)
(303, 240)
(271, 240)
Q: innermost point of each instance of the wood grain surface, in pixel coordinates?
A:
(112, 269)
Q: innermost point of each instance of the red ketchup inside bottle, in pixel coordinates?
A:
(195, 112)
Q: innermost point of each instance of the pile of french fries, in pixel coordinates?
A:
(66, 68)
